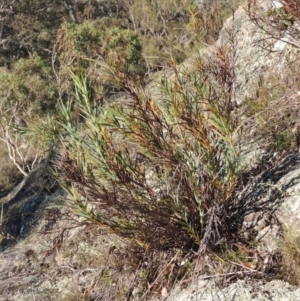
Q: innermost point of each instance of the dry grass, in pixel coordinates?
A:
(272, 112)
(289, 248)
(67, 259)
(73, 262)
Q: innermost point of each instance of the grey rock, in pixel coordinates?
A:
(21, 206)
(270, 202)
(239, 291)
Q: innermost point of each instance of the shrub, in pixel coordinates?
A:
(29, 84)
(121, 47)
(27, 95)
(158, 170)
(82, 46)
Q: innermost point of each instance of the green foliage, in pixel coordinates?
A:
(159, 171)
(79, 41)
(29, 86)
(282, 17)
(122, 51)
(79, 46)
(28, 94)
(28, 27)
(178, 26)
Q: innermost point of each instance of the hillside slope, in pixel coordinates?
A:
(52, 251)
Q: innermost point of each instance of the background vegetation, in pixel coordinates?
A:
(40, 40)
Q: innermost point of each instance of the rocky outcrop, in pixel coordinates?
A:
(255, 54)
(20, 208)
(271, 202)
(239, 291)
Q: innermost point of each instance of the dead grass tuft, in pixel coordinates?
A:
(272, 113)
(289, 248)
